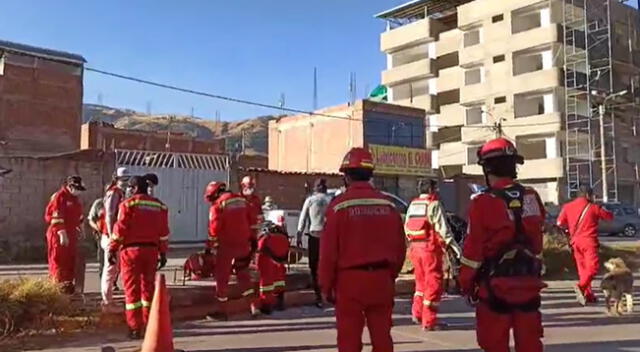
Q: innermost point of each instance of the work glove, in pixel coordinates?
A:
(299, 239)
(112, 257)
(64, 239)
(162, 262)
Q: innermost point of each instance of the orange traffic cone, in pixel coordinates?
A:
(159, 334)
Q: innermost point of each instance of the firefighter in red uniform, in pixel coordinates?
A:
(254, 204)
(361, 254)
(273, 250)
(230, 234)
(141, 234)
(429, 235)
(64, 218)
(580, 219)
(501, 260)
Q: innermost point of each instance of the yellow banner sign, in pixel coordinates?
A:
(401, 161)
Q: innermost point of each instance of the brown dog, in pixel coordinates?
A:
(617, 284)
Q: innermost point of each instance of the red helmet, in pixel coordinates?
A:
(496, 148)
(248, 182)
(213, 189)
(357, 158)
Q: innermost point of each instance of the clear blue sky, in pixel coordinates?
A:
(250, 49)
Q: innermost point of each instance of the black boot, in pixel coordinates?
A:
(280, 302)
(135, 334)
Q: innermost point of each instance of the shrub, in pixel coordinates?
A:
(24, 303)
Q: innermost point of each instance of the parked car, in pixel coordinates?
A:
(626, 221)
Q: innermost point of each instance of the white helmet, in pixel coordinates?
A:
(123, 172)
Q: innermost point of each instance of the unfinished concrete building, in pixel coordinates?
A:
(537, 72)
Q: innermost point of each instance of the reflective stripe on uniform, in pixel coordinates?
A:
(57, 221)
(247, 292)
(223, 299)
(414, 233)
(470, 263)
(363, 201)
(428, 303)
(418, 294)
(164, 238)
(280, 283)
(146, 203)
(267, 288)
(233, 201)
(133, 306)
(145, 304)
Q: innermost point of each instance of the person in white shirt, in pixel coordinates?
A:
(312, 220)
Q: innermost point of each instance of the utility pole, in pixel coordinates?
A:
(242, 143)
(603, 159)
(602, 109)
(169, 122)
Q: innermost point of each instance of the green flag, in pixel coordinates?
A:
(379, 93)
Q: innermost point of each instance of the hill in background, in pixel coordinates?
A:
(255, 130)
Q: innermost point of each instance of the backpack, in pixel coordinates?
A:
(514, 261)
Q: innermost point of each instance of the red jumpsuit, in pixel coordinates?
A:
(361, 253)
(491, 228)
(584, 238)
(428, 233)
(142, 234)
(64, 212)
(230, 232)
(273, 249)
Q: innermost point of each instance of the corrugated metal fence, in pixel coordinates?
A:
(183, 178)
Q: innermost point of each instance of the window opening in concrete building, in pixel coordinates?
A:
(407, 92)
(525, 62)
(527, 19)
(407, 56)
(472, 37)
(497, 18)
(473, 75)
(500, 100)
(448, 60)
(474, 115)
(528, 104)
(534, 147)
(472, 154)
(449, 97)
(498, 58)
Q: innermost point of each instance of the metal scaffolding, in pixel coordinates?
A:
(588, 83)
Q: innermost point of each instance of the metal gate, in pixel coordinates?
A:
(183, 178)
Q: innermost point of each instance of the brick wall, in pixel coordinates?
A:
(40, 105)
(99, 135)
(287, 188)
(26, 191)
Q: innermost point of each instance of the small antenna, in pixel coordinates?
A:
(100, 98)
(315, 88)
(148, 107)
(282, 102)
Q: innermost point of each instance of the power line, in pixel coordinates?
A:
(264, 105)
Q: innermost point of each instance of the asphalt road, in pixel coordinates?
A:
(568, 328)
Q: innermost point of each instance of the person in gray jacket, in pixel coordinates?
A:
(311, 223)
